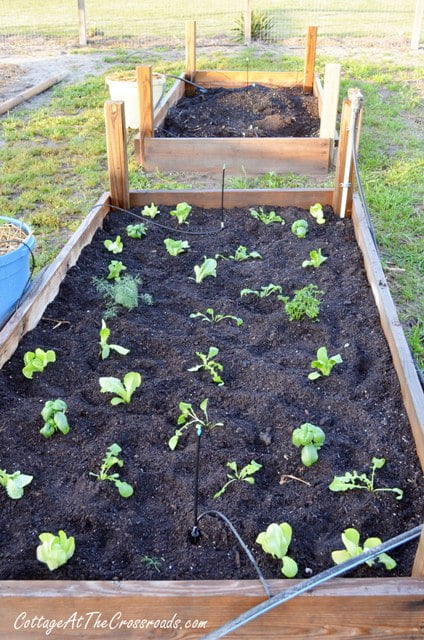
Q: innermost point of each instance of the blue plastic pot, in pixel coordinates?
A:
(14, 271)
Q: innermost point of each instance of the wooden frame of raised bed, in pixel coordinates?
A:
(241, 155)
(344, 607)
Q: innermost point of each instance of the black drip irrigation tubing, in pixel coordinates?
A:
(193, 84)
(368, 215)
(315, 581)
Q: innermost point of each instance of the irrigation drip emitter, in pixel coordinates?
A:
(310, 583)
(194, 533)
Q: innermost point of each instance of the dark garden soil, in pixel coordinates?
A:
(266, 395)
(250, 112)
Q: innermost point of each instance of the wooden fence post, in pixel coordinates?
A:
(116, 143)
(418, 568)
(343, 183)
(330, 102)
(247, 15)
(82, 23)
(310, 53)
(190, 53)
(416, 27)
(145, 103)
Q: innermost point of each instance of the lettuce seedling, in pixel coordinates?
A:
(14, 483)
(114, 246)
(266, 218)
(245, 474)
(208, 364)
(305, 303)
(115, 267)
(181, 212)
(354, 480)
(55, 551)
(300, 228)
(264, 292)
(36, 361)
(188, 417)
(137, 230)
(276, 540)
(205, 270)
(241, 255)
(214, 318)
(54, 416)
(316, 259)
(124, 390)
(310, 438)
(175, 247)
(110, 460)
(150, 212)
(351, 539)
(106, 348)
(323, 363)
(316, 212)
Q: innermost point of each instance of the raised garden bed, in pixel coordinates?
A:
(253, 121)
(383, 606)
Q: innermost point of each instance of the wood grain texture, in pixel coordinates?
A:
(418, 568)
(341, 156)
(116, 145)
(250, 155)
(145, 102)
(310, 55)
(7, 105)
(412, 393)
(235, 79)
(374, 608)
(235, 197)
(330, 101)
(46, 286)
(190, 55)
(318, 92)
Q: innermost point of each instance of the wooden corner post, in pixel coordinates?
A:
(418, 568)
(343, 183)
(330, 101)
(116, 143)
(310, 54)
(145, 105)
(190, 55)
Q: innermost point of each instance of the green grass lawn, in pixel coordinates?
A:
(53, 166)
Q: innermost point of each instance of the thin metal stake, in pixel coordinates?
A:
(194, 533)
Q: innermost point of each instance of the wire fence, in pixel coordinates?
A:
(161, 23)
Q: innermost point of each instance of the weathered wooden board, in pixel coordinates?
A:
(236, 79)
(346, 608)
(250, 155)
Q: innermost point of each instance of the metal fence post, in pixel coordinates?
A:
(247, 21)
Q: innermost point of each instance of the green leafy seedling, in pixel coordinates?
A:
(263, 292)
(152, 562)
(310, 438)
(150, 212)
(123, 390)
(106, 348)
(206, 270)
(36, 361)
(350, 538)
(110, 460)
(305, 303)
(210, 365)
(14, 483)
(316, 212)
(241, 254)
(276, 541)
(323, 363)
(115, 267)
(316, 259)
(55, 551)
(214, 318)
(245, 474)
(175, 247)
(188, 418)
(181, 212)
(266, 218)
(54, 416)
(114, 246)
(300, 228)
(354, 480)
(137, 230)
